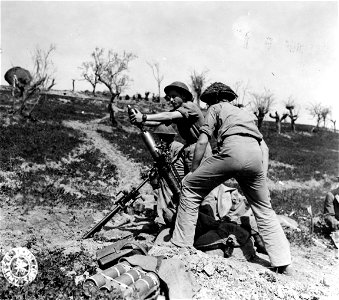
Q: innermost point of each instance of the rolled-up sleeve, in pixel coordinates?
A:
(188, 111)
(210, 121)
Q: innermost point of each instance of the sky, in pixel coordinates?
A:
(287, 47)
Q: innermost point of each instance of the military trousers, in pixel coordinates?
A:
(240, 157)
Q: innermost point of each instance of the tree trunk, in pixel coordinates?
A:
(278, 124)
(292, 125)
(260, 121)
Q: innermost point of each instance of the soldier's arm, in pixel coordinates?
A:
(199, 150)
(155, 119)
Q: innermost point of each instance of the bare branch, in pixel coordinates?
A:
(43, 67)
(110, 69)
(155, 66)
(198, 81)
(261, 105)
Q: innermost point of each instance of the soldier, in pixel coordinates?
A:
(173, 150)
(331, 209)
(221, 213)
(185, 114)
(240, 157)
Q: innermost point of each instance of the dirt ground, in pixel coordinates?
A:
(316, 268)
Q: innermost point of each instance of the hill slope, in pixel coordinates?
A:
(59, 176)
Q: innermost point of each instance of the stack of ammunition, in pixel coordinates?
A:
(125, 281)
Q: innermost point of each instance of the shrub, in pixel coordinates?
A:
(52, 281)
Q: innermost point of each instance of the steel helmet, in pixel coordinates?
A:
(178, 85)
(218, 91)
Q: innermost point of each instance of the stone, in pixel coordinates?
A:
(209, 269)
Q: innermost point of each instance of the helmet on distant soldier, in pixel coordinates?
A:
(162, 129)
(181, 88)
(217, 92)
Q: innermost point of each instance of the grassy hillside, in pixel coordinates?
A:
(295, 157)
(56, 180)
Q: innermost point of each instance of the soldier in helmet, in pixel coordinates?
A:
(331, 209)
(173, 150)
(221, 202)
(185, 114)
(240, 157)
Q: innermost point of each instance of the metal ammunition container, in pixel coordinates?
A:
(130, 276)
(146, 285)
(97, 281)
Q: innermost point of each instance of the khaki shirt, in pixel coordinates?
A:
(224, 119)
(189, 125)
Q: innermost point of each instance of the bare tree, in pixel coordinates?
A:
(43, 67)
(290, 106)
(261, 105)
(32, 83)
(146, 95)
(111, 69)
(324, 114)
(334, 122)
(315, 110)
(88, 72)
(241, 90)
(155, 66)
(198, 81)
(278, 120)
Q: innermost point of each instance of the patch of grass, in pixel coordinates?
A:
(80, 181)
(131, 145)
(306, 153)
(52, 109)
(299, 238)
(297, 199)
(55, 279)
(35, 143)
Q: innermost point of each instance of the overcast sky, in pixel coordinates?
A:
(288, 47)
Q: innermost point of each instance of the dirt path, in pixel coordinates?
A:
(59, 226)
(128, 171)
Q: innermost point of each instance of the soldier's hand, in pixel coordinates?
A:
(136, 117)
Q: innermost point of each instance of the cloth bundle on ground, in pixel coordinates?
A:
(223, 214)
(225, 219)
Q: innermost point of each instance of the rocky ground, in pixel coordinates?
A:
(316, 270)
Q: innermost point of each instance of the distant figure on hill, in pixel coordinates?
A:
(331, 209)
(20, 79)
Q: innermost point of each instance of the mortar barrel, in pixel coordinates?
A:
(150, 144)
